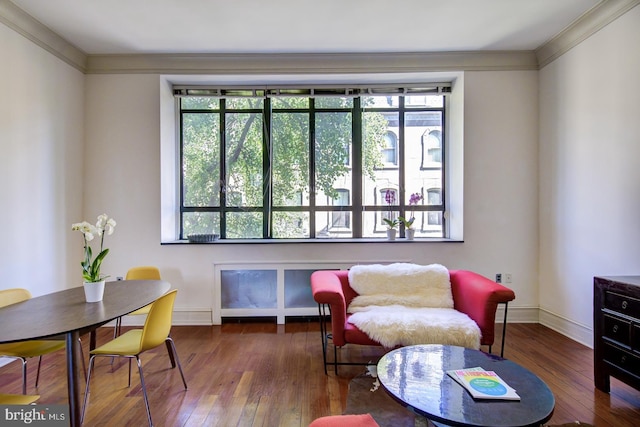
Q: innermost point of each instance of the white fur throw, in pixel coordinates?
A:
(407, 304)
(395, 325)
(409, 285)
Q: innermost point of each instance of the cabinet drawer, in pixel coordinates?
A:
(622, 304)
(635, 337)
(622, 359)
(617, 329)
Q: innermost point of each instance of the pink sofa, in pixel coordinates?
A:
(473, 294)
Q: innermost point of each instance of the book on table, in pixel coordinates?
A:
(483, 384)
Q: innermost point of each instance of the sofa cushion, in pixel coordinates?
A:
(410, 285)
(396, 325)
(359, 420)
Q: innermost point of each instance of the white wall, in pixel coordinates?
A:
(41, 165)
(123, 175)
(589, 172)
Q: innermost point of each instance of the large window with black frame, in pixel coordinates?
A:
(311, 163)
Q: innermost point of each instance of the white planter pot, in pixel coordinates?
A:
(94, 291)
(391, 233)
(409, 233)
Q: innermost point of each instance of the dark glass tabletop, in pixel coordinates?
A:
(416, 377)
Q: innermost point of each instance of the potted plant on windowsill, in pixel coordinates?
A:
(409, 232)
(408, 223)
(391, 227)
(93, 279)
(392, 223)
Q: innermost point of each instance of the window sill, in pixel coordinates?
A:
(313, 241)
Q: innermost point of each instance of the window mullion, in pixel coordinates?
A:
(356, 168)
(267, 162)
(312, 168)
(223, 169)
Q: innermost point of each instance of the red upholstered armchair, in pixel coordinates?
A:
(473, 294)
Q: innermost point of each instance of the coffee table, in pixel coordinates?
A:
(416, 377)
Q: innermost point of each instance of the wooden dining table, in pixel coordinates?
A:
(67, 313)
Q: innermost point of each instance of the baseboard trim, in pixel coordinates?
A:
(569, 328)
(517, 314)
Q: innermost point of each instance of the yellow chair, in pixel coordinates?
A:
(25, 349)
(136, 341)
(138, 273)
(18, 399)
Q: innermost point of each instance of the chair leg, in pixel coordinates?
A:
(86, 390)
(130, 371)
(116, 331)
(84, 366)
(172, 349)
(171, 356)
(504, 329)
(38, 371)
(24, 374)
(144, 391)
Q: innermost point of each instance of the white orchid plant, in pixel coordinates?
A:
(91, 267)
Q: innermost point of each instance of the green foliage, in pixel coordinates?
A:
(246, 138)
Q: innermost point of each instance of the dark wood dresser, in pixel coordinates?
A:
(616, 329)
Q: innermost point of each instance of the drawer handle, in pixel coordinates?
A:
(615, 328)
(624, 305)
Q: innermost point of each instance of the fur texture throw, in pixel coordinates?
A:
(406, 304)
(404, 284)
(396, 325)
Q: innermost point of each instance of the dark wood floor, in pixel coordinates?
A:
(262, 374)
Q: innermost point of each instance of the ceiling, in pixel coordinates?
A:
(304, 26)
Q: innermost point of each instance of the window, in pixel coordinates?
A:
(340, 219)
(432, 148)
(390, 149)
(434, 198)
(282, 163)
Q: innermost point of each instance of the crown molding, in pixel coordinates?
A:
(23, 23)
(307, 63)
(588, 24)
(310, 63)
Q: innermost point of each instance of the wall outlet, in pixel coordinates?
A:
(498, 277)
(507, 278)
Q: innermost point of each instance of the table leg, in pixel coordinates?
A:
(73, 345)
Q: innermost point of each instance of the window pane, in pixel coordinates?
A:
(200, 103)
(201, 159)
(244, 225)
(372, 224)
(291, 225)
(200, 223)
(333, 102)
(244, 103)
(383, 101)
(290, 132)
(333, 145)
(423, 149)
(244, 159)
(289, 102)
(378, 134)
(429, 101)
(325, 227)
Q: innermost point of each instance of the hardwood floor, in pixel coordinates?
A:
(262, 374)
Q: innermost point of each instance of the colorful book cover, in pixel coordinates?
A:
(483, 384)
